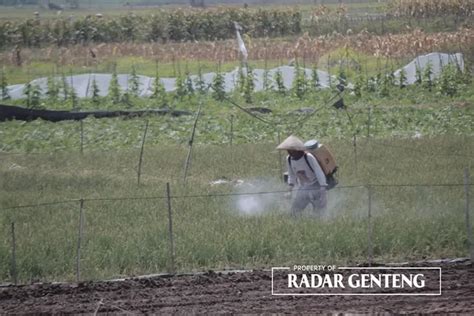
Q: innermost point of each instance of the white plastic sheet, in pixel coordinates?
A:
(83, 83)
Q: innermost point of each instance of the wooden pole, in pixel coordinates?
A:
(140, 160)
(82, 137)
(170, 228)
(191, 141)
(79, 241)
(369, 227)
(279, 156)
(329, 72)
(354, 137)
(354, 142)
(368, 122)
(468, 220)
(13, 267)
(231, 129)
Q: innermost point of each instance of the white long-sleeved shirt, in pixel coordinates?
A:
(300, 173)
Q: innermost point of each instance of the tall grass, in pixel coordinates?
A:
(130, 237)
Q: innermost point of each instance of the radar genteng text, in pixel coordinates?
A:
(320, 276)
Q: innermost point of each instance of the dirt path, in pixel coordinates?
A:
(247, 292)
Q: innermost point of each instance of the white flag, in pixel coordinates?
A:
(241, 43)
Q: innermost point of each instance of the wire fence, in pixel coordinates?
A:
(178, 221)
(178, 229)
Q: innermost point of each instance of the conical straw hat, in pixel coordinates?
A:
(292, 143)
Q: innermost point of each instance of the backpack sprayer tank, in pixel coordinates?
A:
(323, 155)
(325, 159)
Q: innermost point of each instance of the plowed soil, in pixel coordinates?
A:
(234, 292)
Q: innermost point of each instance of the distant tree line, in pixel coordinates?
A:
(18, 2)
(162, 26)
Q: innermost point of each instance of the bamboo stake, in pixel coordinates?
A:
(79, 241)
(231, 129)
(82, 137)
(140, 160)
(13, 263)
(468, 220)
(279, 156)
(369, 227)
(170, 228)
(191, 141)
(368, 122)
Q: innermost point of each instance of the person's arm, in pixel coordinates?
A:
(317, 170)
(291, 173)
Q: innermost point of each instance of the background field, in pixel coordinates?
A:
(411, 145)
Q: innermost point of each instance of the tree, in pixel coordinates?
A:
(74, 98)
(95, 92)
(159, 92)
(134, 82)
(200, 84)
(52, 88)
(280, 86)
(218, 91)
(402, 80)
(249, 86)
(4, 87)
(315, 77)
(427, 76)
(180, 87)
(299, 83)
(64, 87)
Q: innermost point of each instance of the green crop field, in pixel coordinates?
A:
(130, 237)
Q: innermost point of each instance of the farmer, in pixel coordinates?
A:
(305, 176)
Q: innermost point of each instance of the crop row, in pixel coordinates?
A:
(177, 25)
(218, 24)
(427, 8)
(307, 48)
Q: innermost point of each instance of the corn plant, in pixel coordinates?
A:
(429, 8)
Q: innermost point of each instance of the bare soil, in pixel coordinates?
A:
(233, 292)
